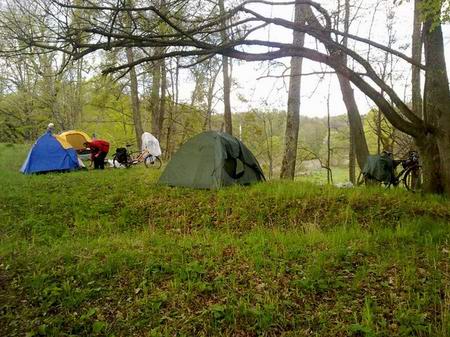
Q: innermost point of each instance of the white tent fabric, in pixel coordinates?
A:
(150, 143)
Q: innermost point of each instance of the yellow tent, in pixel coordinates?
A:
(65, 144)
(75, 138)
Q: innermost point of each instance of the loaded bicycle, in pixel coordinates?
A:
(381, 169)
(124, 158)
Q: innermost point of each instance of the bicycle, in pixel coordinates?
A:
(123, 157)
(410, 175)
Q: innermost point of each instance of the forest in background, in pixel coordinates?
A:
(102, 107)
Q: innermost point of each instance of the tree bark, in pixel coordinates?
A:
(351, 161)
(378, 131)
(135, 100)
(162, 103)
(354, 119)
(329, 172)
(351, 148)
(212, 78)
(293, 109)
(416, 56)
(155, 98)
(171, 128)
(226, 77)
(436, 108)
(209, 102)
(226, 96)
(269, 141)
(429, 158)
(79, 93)
(357, 136)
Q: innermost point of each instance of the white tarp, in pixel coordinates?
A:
(150, 143)
(347, 184)
(115, 164)
(80, 163)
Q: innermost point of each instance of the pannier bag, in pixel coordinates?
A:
(121, 155)
(380, 168)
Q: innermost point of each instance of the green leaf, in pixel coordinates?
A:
(98, 326)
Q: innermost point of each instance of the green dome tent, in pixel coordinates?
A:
(212, 160)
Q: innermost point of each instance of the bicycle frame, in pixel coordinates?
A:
(403, 173)
(410, 175)
(139, 158)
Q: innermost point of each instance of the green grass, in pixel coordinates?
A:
(113, 254)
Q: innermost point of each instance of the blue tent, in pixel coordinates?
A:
(50, 153)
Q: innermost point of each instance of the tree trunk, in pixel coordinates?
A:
(416, 56)
(293, 109)
(171, 129)
(209, 102)
(357, 135)
(354, 120)
(210, 97)
(226, 77)
(378, 131)
(226, 97)
(436, 108)
(444, 152)
(135, 100)
(162, 103)
(79, 93)
(351, 161)
(155, 98)
(429, 158)
(269, 143)
(329, 172)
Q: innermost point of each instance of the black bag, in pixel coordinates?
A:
(121, 155)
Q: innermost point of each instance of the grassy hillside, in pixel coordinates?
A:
(113, 254)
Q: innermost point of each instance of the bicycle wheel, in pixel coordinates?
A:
(152, 162)
(413, 179)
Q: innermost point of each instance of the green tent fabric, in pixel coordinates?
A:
(380, 168)
(212, 160)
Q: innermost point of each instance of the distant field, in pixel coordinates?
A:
(113, 254)
(340, 175)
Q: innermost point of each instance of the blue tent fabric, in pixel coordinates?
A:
(48, 155)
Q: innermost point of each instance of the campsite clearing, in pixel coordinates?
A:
(277, 258)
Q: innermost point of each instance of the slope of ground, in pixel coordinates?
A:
(113, 254)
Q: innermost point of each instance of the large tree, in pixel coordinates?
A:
(293, 106)
(135, 104)
(226, 74)
(191, 35)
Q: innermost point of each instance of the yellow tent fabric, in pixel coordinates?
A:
(75, 138)
(65, 144)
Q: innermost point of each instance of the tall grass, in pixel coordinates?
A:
(113, 254)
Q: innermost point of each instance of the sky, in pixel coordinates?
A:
(270, 93)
